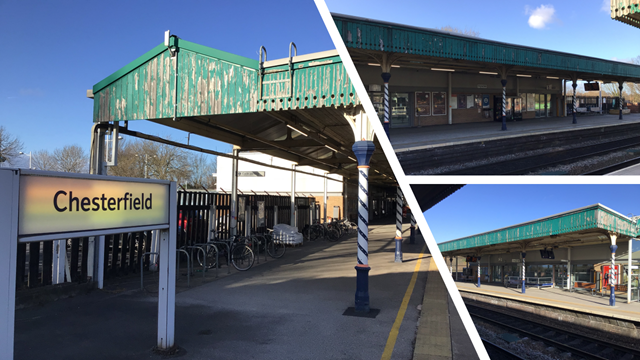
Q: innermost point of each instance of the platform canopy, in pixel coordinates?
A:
(584, 226)
(429, 196)
(403, 46)
(626, 11)
(302, 108)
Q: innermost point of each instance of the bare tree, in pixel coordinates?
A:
(202, 169)
(455, 30)
(71, 158)
(43, 160)
(10, 146)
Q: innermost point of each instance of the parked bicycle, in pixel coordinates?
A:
(236, 250)
(274, 247)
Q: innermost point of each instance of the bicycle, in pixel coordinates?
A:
(237, 251)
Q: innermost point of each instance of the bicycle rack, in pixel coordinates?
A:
(205, 255)
(178, 266)
(228, 253)
(204, 263)
(188, 266)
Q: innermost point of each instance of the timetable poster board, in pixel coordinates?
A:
(486, 101)
(439, 103)
(453, 101)
(423, 103)
(470, 102)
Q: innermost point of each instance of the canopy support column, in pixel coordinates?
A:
(613, 275)
(398, 253)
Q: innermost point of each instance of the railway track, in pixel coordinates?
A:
(615, 167)
(497, 353)
(534, 163)
(443, 159)
(581, 347)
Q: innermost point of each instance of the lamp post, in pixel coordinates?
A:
(146, 159)
(21, 153)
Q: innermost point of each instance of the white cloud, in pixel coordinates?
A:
(541, 16)
(606, 6)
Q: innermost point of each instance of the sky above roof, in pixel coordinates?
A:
(479, 208)
(60, 49)
(581, 27)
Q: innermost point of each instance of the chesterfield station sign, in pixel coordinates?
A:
(50, 204)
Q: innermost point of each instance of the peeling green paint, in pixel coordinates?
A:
(212, 82)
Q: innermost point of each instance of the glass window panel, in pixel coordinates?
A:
(399, 104)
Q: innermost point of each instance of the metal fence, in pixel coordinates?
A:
(123, 252)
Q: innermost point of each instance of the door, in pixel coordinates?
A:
(399, 104)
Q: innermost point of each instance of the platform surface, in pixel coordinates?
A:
(578, 301)
(416, 138)
(631, 170)
(289, 308)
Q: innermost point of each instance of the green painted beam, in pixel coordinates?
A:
(587, 218)
(365, 34)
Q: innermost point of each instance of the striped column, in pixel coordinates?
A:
(479, 270)
(399, 225)
(451, 266)
(524, 272)
(412, 237)
(620, 116)
(386, 76)
(504, 104)
(612, 271)
(575, 106)
(363, 151)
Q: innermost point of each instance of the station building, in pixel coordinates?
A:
(571, 250)
(425, 77)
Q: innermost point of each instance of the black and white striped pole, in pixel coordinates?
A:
(479, 270)
(575, 105)
(620, 87)
(524, 272)
(612, 270)
(504, 104)
(386, 76)
(399, 226)
(363, 151)
(412, 236)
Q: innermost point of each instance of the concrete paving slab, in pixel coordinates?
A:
(290, 308)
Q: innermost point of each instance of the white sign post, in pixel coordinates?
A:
(48, 206)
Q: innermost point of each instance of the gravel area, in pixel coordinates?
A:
(525, 347)
(592, 164)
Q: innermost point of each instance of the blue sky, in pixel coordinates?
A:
(56, 50)
(479, 208)
(575, 26)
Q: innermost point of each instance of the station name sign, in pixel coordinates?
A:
(50, 204)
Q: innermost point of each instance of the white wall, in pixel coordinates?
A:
(275, 180)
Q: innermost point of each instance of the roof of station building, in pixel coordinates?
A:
(417, 47)
(581, 226)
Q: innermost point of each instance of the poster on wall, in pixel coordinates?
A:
(453, 101)
(470, 102)
(423, 103)
(439, 103)
(241, 208)
(486, 103)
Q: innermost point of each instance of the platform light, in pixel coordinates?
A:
(352, 158)
(438, 69)
(523, 75)
(552, 77)
(395, 66)
(322, 136)
(376, 171)
(292, 128)
(330, 148)
(488, 73)
(372, 64)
